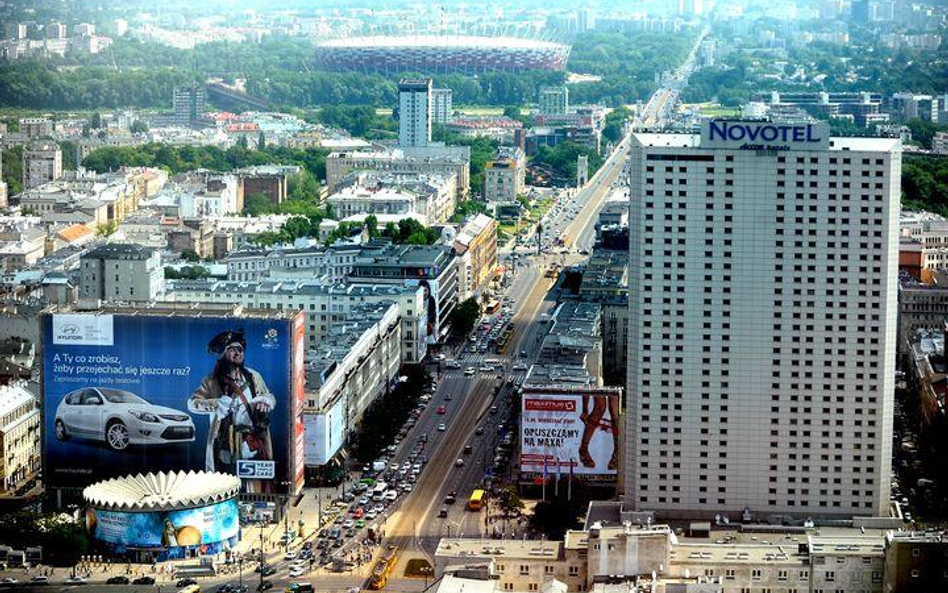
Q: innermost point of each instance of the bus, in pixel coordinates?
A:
(383, 567)
(492, 307)
(477, 500)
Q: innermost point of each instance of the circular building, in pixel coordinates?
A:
(440, 54)
(161, 516)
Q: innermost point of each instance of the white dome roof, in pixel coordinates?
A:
(162, 491)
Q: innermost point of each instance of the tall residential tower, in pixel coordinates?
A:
(762, 322)
(414, 112)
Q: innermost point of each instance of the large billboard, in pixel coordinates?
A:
(567, 430)
(132, 393)
(325, 433)
(206, 530)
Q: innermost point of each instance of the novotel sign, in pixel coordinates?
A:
(763, 135)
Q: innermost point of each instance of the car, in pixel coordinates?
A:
(146, 580)
(117, 580)
(288, 556)
(468, 449)
(440, 357)
(447, 397)
(442, 410)
(442, 427)
(493, 409)
(450, 499)
(370, 514)
(347, 524)
(453, 364)
(226, 588)
(39, 579)
(470, 371)
(443, 512)
(360, 523)
(520, 366)
(486, 369)
(185, 582)
(8, 581)
(265, 586)
(119, 419)
(74, 580)
(407, 487)
(379, 508)
(479, 430)
(391, 495)
(358, 513)
(459, 462)
(297, 572)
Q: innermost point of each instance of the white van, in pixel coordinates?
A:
(378, 491)
(391, 495)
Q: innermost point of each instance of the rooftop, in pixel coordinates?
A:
(162, 491)
(120, 251)
(461, 548)
(13, 396)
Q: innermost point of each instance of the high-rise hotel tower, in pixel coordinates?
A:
(762, 321)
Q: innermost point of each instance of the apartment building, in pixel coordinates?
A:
(121, 272)
(20, 445)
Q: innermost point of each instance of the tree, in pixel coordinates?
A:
(372, 225)
(96, 121)
(257, 204)
(106, 229)
(261, 141)
(190, 255)
(465, 316)
(553, 517)
(138, 127)
(510, 503)
(297, 227)
(186, 273)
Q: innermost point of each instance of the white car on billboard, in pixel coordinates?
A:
(119, 419)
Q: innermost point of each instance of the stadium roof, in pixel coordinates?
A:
(162, 491)
(446, 41)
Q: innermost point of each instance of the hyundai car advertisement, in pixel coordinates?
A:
(207, 530)
(127, 394)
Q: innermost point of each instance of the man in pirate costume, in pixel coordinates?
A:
(238, 403)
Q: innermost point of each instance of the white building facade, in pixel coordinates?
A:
(762, 321)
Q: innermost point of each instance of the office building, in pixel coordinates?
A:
(762, 321)
(325, 303)
(505, 175)
(432, 267)
(442, 107)
(42, 163)
(121, 272)
(414, 112)
(20, 453)
(554, 100)
(188, 103)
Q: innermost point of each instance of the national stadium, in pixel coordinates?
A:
(440, 54)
